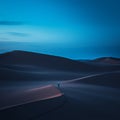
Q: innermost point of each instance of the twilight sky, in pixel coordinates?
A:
(78, 29)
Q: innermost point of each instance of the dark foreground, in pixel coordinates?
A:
(42, 87)
(81, 100)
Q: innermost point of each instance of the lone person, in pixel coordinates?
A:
(58, 85)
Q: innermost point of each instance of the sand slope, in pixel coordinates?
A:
(29, 95)
(109, 60)
(22, 65)
(96, 97)
(89, 101)
(108, 79)
(30, 103)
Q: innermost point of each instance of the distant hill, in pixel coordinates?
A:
(23, 65)
(19, 58)
(110, 60)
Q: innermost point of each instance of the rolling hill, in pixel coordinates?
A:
(23, 65)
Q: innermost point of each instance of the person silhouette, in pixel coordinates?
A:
(58, 85)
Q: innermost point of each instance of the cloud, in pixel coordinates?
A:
(3, 38)
(11, 23)
(18, 34)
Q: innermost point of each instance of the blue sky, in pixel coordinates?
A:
(78, 29)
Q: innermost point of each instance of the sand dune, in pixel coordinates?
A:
(91, 89)
(90, 101)
(30, 95)
(109, 60)
(106, 79)
(23, 104)
(22, 65)
(31, 111)
(19, 75)
(41, 60)
(84, 99)
(26, 59)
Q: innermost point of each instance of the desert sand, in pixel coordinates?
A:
(41, 87)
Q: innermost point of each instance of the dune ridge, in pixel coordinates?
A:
(25, 65)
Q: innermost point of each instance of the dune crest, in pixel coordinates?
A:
(32, 95)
